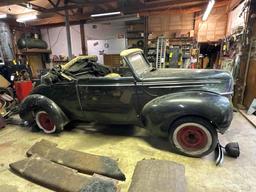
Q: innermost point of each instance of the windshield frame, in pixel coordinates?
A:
(138, 75)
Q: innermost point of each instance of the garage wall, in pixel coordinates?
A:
(169, 24)
(105, 31)
(105, 38)
(214, 28)
(235, 19)
(250, 91)
(57, 39)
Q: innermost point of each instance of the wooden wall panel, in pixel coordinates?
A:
(211, 30)
(214, 28)
(169, 23)
(250, 90)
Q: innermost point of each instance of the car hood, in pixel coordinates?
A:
(186, 74)
(218, 81)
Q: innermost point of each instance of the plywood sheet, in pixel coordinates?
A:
(163, 24)
(214, 28)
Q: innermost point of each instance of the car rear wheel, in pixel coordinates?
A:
(193, 136)
(46, 123)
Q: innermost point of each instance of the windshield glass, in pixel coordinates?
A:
(139, 64)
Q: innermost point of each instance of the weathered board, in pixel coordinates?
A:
(250, 118)
(58, 177)
(158, 175)
(83, 162)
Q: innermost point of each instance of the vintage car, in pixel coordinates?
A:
(187, 106)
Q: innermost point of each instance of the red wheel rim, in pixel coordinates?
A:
(46, 122)
(192, 138)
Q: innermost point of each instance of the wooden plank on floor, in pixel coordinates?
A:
(250, 118)
(158, 176)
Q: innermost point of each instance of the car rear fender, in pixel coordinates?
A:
(160, 113)
(36, 101)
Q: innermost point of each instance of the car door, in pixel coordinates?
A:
(109, 100)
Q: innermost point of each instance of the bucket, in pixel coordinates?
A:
(23, 89)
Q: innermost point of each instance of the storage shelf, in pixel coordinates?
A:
(135, 31)
(135, 37)
(35, 50)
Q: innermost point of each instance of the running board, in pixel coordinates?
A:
(82, 162)
(60, 178)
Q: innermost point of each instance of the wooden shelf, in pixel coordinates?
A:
(135, 31)
(59, 61)
(135, 37)
(35, 50)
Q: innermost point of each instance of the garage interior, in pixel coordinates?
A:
(69, 73)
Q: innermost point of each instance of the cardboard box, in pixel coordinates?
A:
(3, 82)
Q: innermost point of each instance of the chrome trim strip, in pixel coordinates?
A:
(108, 85)
(161, 83)
(227, 93)
(178, 82)
(172, 87)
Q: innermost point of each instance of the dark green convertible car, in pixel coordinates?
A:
(187, 106)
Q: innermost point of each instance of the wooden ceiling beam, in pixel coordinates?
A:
(34, 7)
(74, 6)
(168, 1)
(12, 2)
(40, 9)
(175, 5)
(186, 10)
(51, 2)
(57, 3)
(58, 19)
(104, 8)
(190, 7)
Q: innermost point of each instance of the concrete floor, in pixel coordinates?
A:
(131, 145)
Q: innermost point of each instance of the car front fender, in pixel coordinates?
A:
(36, 101)
(160, 113)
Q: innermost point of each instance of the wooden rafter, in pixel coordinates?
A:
(148, 7)
(58, 19)
(57, 3)
(192, 9)
(39, 9)
(99, 8)
(168, 1)
(178, 5)
(108, 6)
(12, 2)
(34, 7)
(51, 2)
(74, 6)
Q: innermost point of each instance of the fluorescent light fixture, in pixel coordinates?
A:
(2, 16)
(208, 10)
(106, 14)
(25, 18)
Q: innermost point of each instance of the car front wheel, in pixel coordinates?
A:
(46, 123)
(193, 136)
